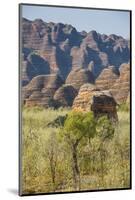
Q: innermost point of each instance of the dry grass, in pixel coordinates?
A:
(38, 140)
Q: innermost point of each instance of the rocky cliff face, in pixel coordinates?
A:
(32, 65)
(54, 54)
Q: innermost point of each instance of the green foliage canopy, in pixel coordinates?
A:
(104, 128)
(79, 125)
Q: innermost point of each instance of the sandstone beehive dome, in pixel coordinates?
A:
(40, 91)
(107, 78)
(121, 88)
(90, 98)
(78, 76)
(65, 95)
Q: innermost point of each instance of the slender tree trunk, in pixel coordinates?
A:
(102, 170)
(75, 168)
(53, 175)
(102, 163)
(53, 160)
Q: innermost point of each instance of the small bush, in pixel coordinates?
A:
(46, 155)
(124, 107)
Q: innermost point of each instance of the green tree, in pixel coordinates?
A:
(51, 150)
(77, 126)
(105, 131)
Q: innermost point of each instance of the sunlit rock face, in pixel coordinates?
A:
(107, 78)
(121, 87)
(90, 98)
(78, 76)
(41, 89)
(58, 51)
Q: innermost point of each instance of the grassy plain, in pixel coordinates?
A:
(46, 165)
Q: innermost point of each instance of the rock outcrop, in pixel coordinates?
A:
(82, 100)
(79, 57)
(107, 78)
(57, 60)
(78, 76)
(128, 99)
(101, 103)
(81, 47)
(32, 32)
(92, 39)
(121, 87)
(25, 76)
(41, 89)
(33, 66)
(64, 96)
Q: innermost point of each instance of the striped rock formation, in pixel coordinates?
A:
(32, 32)
(128, 99)
(40, 90)
(57, 57)
(64, 96)
(82, 100)
(33, 66)
(81, 47)
(79, 57)
(107, 78)
(121, 87)
(101, 103)
(78, 76)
